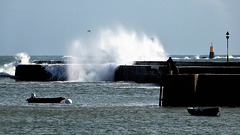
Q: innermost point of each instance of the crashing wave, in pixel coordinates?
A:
(8, 69)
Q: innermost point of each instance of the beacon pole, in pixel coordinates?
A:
(227, 36)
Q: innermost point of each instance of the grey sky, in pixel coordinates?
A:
(47, 27)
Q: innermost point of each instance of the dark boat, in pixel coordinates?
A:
(45, 100)
(203, 111)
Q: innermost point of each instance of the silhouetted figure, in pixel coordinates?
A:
(172, 68)
(33, 95)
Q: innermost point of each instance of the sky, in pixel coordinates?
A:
(184, 27)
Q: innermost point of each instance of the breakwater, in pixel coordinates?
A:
(188, 83)
(154, 71)
(200, 90)
(181, 83)
(42, 71)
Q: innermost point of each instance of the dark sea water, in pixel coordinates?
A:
(101, 107)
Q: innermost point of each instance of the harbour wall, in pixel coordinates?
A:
(181, 83)
(152, 71)
(139, 74)
(188, 83)
(32, 73)
(42, 72)
(200, 90)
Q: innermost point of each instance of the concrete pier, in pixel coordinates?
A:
(32, 73)
(139, 74)
(203, 90)
(188, 83)
(181, 83)
(42, 71)
(150, 71)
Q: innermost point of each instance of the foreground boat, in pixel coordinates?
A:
(45, 100)
(203, 111)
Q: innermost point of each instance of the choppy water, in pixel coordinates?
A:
(101, 108)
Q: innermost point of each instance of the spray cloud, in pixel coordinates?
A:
(95, 57)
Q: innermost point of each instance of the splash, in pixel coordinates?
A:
(58, 71)
(126, 47)
(197, 57)
(22, 58)
(97, 56)
(9, 68)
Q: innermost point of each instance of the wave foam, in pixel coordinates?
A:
(8, 69)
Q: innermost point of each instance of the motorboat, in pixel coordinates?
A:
(34, 99)
(204, 111)
(45, 100)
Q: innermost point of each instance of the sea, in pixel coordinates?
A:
(100, 106)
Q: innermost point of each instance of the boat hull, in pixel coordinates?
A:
(213, 111)
(45, 100)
